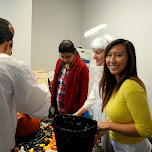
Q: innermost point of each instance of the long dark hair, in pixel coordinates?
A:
(67, 46)
(108, 83)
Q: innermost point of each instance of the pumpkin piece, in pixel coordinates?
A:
(51, 127)
(42, 145)
(48, 147)
(26, 125)
(53, 147)
(52, 144)
(53, 141)
(31, 150)
(16, 149)
(45, 131)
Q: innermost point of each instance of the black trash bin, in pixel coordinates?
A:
(74, 133)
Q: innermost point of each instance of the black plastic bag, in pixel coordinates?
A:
(74, 133)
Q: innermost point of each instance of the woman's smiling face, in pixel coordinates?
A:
(117, 59)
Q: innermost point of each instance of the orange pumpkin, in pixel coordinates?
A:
(26, 125)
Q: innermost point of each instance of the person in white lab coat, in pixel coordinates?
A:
(19, 91)
(94, 101)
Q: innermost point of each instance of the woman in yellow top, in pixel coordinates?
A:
(124, 99)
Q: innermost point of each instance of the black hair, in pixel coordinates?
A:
(67, 46)
(5, 22)
(5, 34)
(9, 25)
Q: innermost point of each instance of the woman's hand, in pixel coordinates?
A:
(99, 134)
(103, 126)
(76, 114)
(80, 112)
(102, 129)
(97, 137)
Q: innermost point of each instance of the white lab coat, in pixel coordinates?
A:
(19, 92)
(94, 102)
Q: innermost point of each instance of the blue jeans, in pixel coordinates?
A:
(143, 146)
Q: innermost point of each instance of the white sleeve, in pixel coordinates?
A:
(89, 103)
(30, 98)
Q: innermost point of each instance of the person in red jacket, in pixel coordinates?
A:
(70, 84)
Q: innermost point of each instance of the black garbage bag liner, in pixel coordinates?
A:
(74, 133)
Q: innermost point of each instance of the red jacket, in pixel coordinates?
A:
(76, 89)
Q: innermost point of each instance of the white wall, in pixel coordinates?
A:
(52, 22)
(55, 20)
(19, 13)
(126, 19)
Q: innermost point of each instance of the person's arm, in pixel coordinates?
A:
(88, 104)
(126, 129)
(81, 111)
(30, 98)
(100, 132)
(138, 107)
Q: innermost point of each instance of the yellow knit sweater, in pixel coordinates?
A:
(129, 105)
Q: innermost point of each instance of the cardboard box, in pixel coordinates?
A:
(41, 77)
